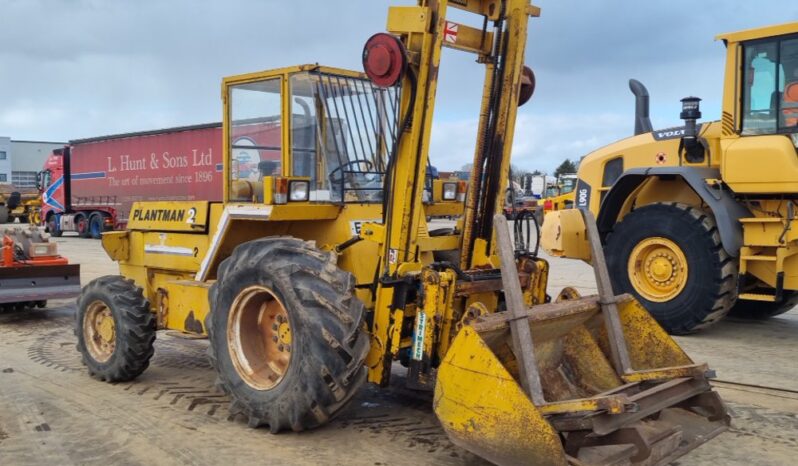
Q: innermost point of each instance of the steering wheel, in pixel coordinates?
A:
(340, 168)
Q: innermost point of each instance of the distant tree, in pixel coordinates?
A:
(518, 173)
(566, 167)
(536, 173)
(467, 167)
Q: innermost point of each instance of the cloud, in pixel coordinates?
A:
(541, 141)
(80, 68)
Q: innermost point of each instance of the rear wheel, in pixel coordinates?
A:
(82, 225)
(761, 310)
(670, 257)
(115, 329)
(96, 225)
(286, 334)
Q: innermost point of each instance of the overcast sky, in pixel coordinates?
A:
(73, 69)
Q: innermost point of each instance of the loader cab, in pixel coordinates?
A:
(307, 134)
(770, 86)
(759, 124)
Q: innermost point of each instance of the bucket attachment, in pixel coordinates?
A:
(32, 271)
(587, 381)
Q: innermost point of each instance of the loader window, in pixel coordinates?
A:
(343, 131)
(255, 132)
(770, 69)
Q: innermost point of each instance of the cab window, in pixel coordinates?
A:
(255, 132)
(770, 87)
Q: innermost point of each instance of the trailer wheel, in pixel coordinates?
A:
(96, 225)
(286, 334)
(759, 310)
(82, 225)
(669, 256)
(115, 329)
(52, 226)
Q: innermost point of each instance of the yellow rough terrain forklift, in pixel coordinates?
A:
(698, 221)
(319, 272)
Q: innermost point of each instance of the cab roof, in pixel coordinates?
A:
(759, 33)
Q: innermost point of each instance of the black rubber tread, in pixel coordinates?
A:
(135, 328)
(453, 255)
(762, 310)
(86, 233)
(52, 228)
(329, 339)
(96, 217)
(712, 274)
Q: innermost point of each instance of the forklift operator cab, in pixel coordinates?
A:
(334, 146)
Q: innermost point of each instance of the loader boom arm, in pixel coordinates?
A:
(424, 31)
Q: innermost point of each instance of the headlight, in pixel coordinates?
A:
(299, 191)
(449, 191)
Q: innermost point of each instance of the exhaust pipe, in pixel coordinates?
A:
(642, 120)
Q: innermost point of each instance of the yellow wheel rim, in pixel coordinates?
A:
(658, 269)
(99, 331)
(259, 337)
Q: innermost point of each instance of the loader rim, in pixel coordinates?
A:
(658, 269)
(99, 330)
(259, 337)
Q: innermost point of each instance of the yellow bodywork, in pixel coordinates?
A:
(755, 164)
(430, 301)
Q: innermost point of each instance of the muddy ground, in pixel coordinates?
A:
(52, 413)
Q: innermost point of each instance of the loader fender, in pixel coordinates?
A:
(726, 210)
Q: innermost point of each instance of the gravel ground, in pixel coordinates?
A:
(51, 412)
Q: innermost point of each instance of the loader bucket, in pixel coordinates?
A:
(654, 412)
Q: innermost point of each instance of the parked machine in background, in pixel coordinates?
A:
(699, 221)
(89, 186)
(561, 195)
(32, 271)
(321, 273)
(19, 204)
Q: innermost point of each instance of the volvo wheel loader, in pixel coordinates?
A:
(318, 272)
(699, 220)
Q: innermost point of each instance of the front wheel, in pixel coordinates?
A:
(286, 334)
(115, 329)
(669, 256)
(53, 227)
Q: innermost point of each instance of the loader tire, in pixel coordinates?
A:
(120, 349)
(669, 256)
(759, 310)
(315, 345)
